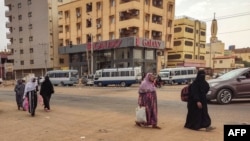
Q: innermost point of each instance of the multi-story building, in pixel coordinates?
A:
(33, 35)
(100, 34)
(189, 43)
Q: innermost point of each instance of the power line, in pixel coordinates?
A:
(234, 31)
(228, 16)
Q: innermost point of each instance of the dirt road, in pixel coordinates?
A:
(67, 123)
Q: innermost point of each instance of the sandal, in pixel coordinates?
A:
(137, 124)
(156, 127)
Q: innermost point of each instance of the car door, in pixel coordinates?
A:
(243, 85)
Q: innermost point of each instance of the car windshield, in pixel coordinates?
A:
(231, 74)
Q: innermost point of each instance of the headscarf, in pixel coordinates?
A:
(147, 85)
(30, 86)
(201, 82)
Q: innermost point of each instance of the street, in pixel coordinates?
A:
(107, 114)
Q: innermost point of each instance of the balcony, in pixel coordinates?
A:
(9, 35)
(126, 1)
(130, 31)
(129, 14)
(7, 13)
(8, 24)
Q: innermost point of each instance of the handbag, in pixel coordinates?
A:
(140, 113)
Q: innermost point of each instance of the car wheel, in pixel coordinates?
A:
(100, 84)
(123, 84)
(224, 96)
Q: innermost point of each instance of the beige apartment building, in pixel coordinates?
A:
(98, 34)
(33, 36)
(189, 43)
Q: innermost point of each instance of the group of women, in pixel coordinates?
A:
(197, 116)
(29, 93)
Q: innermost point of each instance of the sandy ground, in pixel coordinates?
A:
(72, 124)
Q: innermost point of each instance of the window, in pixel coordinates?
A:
(175, 56)
(189, 30)
(177, 43)
(112, 19)
(114, 74)
(202, 58)
(88, 7)
(105, 74)
(30, 14)
(183, 72)
(78, 12)
(30, 26)
(188, 56)
(146, 2)
(78, 26)
(221, 61)
(78, 40)
(31, 38)
(19, 5)
(61, 61)
(31, 61)
(21, 51)
(29, 2)
(170, 8)
(99, 6)
(60, 0)
(112, 3)
(170, 23)
(31, 50)
(22, 62)
(19, 17)
(203, 33)
(188, 43)
(177, 29)
(20, 40)
(20, 28)
(66, 14)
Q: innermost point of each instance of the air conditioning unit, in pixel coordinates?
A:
(155, 19)
(121, 15)
(135, 30)
(98, 25)
(136, 13)
(159, 34)
(159, 19)
(159, 52)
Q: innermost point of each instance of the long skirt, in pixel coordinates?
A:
(32, 97)
(149, 100)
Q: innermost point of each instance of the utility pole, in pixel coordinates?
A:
(92, 57)
(45, 54)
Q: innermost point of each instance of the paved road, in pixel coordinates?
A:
(119, 103)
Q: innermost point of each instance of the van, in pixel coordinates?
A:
(231, 85)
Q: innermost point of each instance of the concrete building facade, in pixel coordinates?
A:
(33, 36)
(189, 43)
(100, 34)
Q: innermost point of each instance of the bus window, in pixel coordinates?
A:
(132, 73)
(183, 72)
(177, 72)
(190, 71)
(74, 74)
(51, 75)
(105, 74)
(124, 73)
(114, 74)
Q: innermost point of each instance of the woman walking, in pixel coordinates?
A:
(148, 98)
(197, 116)
(46, 91)
(19, 89)
(30, 92)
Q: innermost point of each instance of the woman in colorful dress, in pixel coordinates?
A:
(148, 98)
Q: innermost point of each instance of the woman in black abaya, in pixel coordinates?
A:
(197, 116)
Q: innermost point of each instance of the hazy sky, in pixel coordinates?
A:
(233, 17)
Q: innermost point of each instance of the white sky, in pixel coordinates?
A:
(234, 30)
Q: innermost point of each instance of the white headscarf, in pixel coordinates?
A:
(30, 86)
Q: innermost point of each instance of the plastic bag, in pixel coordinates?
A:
(140, 113)
(25, 104)
(40, 100)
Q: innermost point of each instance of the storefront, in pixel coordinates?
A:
(124, 52)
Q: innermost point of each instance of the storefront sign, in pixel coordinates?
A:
(105, 44)
(148, 43)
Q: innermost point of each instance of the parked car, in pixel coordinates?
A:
(231, 85)
(87, 80)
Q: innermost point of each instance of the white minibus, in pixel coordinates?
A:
(62, 77)
(178, 75)
(118, 76)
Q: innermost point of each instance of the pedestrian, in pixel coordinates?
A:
(46, 91)
(19, 90)
(148, 98)
(197, 116)
(30, 92)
